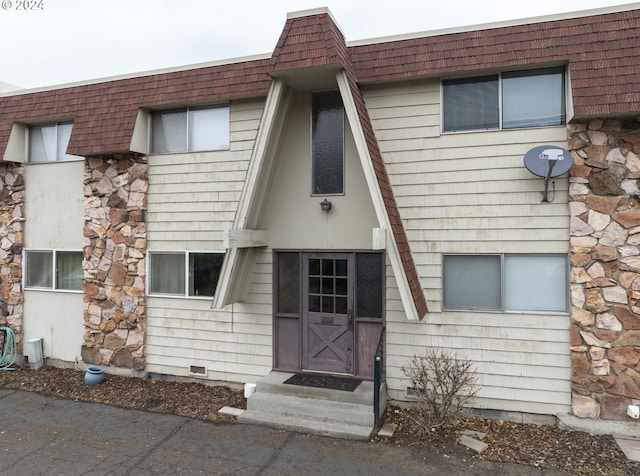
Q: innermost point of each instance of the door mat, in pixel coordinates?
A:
(324, 381)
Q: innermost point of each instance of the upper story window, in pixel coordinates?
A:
(190, 130)
(327, 143)
(48, 143)
(509, 100)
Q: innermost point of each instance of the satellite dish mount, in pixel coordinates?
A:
(548, 161)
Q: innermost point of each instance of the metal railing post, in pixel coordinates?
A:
(376, 389)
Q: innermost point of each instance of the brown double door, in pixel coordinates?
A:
(328, 343)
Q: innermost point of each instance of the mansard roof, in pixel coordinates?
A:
(602, 52)
(104, 113)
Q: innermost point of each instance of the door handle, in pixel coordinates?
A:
(350, 319)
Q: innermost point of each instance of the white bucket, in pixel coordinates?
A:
(34, 351)
(249, 389)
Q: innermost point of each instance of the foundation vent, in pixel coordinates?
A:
(197, 371)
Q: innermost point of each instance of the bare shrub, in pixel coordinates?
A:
(444, 386)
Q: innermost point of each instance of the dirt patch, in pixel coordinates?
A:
(542, 446)
(188, 399)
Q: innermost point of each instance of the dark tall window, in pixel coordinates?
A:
(288, 283)
(369, 284)
(327, 138)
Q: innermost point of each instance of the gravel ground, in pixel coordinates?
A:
(542, 446)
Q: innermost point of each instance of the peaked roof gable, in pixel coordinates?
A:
(309, 41)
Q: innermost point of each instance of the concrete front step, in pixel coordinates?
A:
(313, 426)
(349, 413)
(312, 410)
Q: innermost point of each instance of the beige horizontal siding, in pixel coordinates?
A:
(470, 193)
(192, 201)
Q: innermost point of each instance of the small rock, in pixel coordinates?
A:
(387, 430)
(230, 411)
(475, 445)
(473, 434)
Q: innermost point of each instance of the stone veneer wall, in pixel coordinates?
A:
(604, 201)
(11, 244)
(114, 261)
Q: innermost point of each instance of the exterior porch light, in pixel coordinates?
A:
(325, 205)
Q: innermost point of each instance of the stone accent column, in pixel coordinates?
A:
(604, 202)
(115, 241)
(11, 244)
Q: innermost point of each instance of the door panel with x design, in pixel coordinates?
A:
(328, 337)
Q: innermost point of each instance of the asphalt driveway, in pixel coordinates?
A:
(42, 435)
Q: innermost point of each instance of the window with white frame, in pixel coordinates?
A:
(532, 98)
(184, 273)
(190, 130)
(53, 270)
(505, 282)
(48, 143)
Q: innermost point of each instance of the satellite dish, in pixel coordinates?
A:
(548, 161)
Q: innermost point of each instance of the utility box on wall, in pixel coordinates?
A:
(34, 352)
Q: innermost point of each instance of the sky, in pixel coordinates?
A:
(51, 42)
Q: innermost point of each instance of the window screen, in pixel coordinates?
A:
(39, 269)
(471, 104)
(167, 274)
(169, 131)
(472, 282)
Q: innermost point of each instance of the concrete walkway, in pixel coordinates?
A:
(45, 436)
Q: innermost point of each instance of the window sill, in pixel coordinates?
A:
(502, 311)
(79, 159)
(50, 290)
(179, 296)
(184, 152)
(500, 129)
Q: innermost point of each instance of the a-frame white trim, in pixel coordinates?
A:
(376, 196)
(240, 256)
